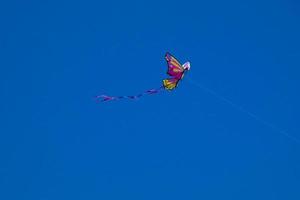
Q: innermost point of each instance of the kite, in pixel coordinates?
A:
(176, 72)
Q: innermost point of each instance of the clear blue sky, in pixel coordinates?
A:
(56, 143)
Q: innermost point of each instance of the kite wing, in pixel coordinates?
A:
(174, 67)
(170, 83)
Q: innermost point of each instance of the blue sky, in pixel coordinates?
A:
(57, 143)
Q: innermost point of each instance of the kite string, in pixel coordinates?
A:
(243, 110)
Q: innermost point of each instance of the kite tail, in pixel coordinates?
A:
(103, 98)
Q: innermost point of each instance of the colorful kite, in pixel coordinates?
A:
(175, 70)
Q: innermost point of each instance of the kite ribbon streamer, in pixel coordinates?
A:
(103, 98)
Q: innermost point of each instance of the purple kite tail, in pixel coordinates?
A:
(103, 98)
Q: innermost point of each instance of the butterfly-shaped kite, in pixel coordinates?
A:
(175, 70)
